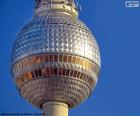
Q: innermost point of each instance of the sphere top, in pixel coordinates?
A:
(56, 34)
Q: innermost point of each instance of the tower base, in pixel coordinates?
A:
(55, 108)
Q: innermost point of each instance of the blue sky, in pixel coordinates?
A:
(117, 30)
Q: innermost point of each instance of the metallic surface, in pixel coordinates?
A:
(57, 33)
(55, 58)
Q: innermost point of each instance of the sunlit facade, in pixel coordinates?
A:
(55, 56)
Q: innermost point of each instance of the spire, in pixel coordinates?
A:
(42, 7)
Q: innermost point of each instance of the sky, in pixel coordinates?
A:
(117, 31)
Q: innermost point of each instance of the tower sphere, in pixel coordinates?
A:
(55, 57)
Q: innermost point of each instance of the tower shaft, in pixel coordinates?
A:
(55, 108)
(43, 7)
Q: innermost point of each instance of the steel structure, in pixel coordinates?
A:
(55, 56)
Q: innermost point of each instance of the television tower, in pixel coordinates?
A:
(55, 58)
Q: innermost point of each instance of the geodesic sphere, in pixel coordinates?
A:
(55, 57)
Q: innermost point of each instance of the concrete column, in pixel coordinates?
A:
(55, 108)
